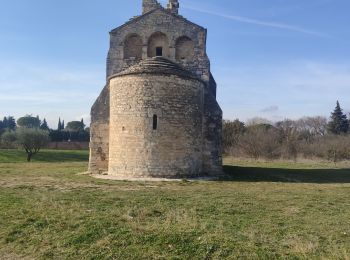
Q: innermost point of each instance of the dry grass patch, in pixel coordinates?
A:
(48, 211)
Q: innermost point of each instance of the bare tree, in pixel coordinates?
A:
(288, 137)
(258, 121)
(232, 131)
(260, 141)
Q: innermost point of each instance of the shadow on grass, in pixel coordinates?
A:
(45, 156)
(256, 174)
(61, 156)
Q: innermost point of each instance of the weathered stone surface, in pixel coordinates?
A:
(149, 5)
(165, 29)
(174, 149)
(157, 116)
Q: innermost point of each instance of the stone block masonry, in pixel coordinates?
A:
(157, 116)
(170, 147)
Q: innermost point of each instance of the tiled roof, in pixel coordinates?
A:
(158, 65)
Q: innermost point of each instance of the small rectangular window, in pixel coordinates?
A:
(159, 51)
(155, 122)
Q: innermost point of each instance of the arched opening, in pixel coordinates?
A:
(133, 47)
(184, 48)
(158, 45)
(155, 122)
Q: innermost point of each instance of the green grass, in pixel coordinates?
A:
(290, 172)
(261, 211)
(14, 156)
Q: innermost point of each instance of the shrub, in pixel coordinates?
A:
(8, 139)
(260, 142)
(32, 140)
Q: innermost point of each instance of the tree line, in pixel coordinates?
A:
(308, 137)
(31, 133)
(74, 131)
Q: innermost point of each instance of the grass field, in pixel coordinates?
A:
(17, 156)
(261, 211)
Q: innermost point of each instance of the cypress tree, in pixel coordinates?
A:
(2, 127)
(11, 123)
(38, 118)
(339, 123)
(59, 127)
(82, 123)
(44, 125)
(5, 122)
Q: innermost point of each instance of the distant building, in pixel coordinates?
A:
(157, 116)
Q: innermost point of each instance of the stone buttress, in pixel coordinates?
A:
(157, 115)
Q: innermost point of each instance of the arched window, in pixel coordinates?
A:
(158, 45)
(133, 47)
(184, 48)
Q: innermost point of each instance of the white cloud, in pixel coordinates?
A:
(277, 25)
(298, 88)
(270, 109)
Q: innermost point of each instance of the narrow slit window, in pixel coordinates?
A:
(155, 122)
(159, 51)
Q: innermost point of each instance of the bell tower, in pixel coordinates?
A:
(149, 5)
(173, 6)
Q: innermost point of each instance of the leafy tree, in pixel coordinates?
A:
(44, 125)
(29, 122)
(8, 123)
(75, 126)
(5, 123)
(11, 123)
(2, 127)
(82, 136)
(8, 139)
(63, 125)
(339, 123)
(32, 140)
(58, 136)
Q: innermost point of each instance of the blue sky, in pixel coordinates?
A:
(271, 58)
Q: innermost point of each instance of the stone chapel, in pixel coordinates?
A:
(157, 115)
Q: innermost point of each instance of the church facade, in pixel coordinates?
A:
(157, 116)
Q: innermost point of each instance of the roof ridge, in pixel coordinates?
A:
(157, 65)
(161, 8)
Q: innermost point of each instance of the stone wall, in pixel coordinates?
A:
(99, 147)
(99, 133)
(149, 5)
(174, 149)
(158, 39)
(178, 146)
(133, 47)
(212, 134)
(174, 27)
